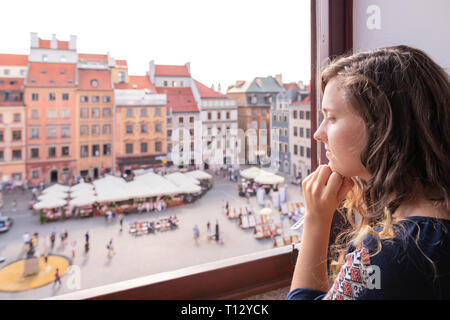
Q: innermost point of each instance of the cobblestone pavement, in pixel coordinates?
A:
(136, 256)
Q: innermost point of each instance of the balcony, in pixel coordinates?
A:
(234, 278)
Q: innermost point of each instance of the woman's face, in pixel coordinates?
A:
(343, 132)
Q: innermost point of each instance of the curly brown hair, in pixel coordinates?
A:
(403, 97)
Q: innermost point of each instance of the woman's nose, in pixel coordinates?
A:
(320, 134)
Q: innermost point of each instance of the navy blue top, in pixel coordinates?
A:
(401, 270)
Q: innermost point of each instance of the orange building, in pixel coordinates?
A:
(94, 120)
(140, 129)
(50, 97)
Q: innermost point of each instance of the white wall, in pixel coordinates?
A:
(13, 71)
(417, 23)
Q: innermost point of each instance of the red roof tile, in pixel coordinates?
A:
(174, 71)
(85, 78)
(11, 83)
(13, 59)
(63, 74)
(291, 85)
(121, 62)
(136, 82)
(92, 57)
(179, 99)
(306, 102)
(206, 92)
(45, 44)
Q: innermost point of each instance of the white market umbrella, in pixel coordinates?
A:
(56, 188)
(266, 177)
(250, 173)
(160, 184)
(198, 174)
(81, 186)
(50, 204)
(52, 195)
(181, 179)
(83, 201)
(190, 188)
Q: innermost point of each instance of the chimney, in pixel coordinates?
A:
(151, 71)
(34, 40)
(279, 78)
(188, 67)
(73, 43)
(53, 42)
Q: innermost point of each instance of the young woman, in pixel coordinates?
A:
(386, 132)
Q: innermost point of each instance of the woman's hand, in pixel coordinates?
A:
(323, 191)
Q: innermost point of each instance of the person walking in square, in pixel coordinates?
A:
(73, 247)
(121, 221)
(14, 205)
(196, 233)
(57, 277)
(110, 248)
(208, 227)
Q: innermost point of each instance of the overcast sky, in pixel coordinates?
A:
(224, 41)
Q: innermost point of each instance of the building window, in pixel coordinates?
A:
(295, 131)
(219, 115)
(295, 114)
(308, 152)
(157, 112)
(65, 96)
(65, 132)
(1, 136)
(228, 116)
(84, 99)
(180, 120)
(17, 154)
(143, 112)
(51, 152)
(34, 114)
(35, 174)
(144, 147)
(165, 83)
(84, 152)
(144, 128)
(191, 132)
(106, 99)
(169, 147)
(51, 132)
(84, 130)
(169, 121)
(158, 146)
(106, 129)
(84, 113)
(17, 135)
(263, 112)
(191, 119)
(254, 112)
(307, 115)
(301, 132)
(169, 133)
(302, 151)
(157, 127)
(94, 83)
(34, 133)
(1, 155)
(302, 114)
(129, 113)
(95, 98)
(295, 149)
(308, 132)
(65, 151)
(95, 150)
(121, 76)
(209, 116)
(95, 130)
(106, 112)
(51, 114)
(1, 117)
(128, 148)
(35, 97)
(51, 96)
(129, 128)
(95, 112)
(107, 149)
(65, 113)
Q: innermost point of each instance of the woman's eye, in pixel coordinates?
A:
(331, 118)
